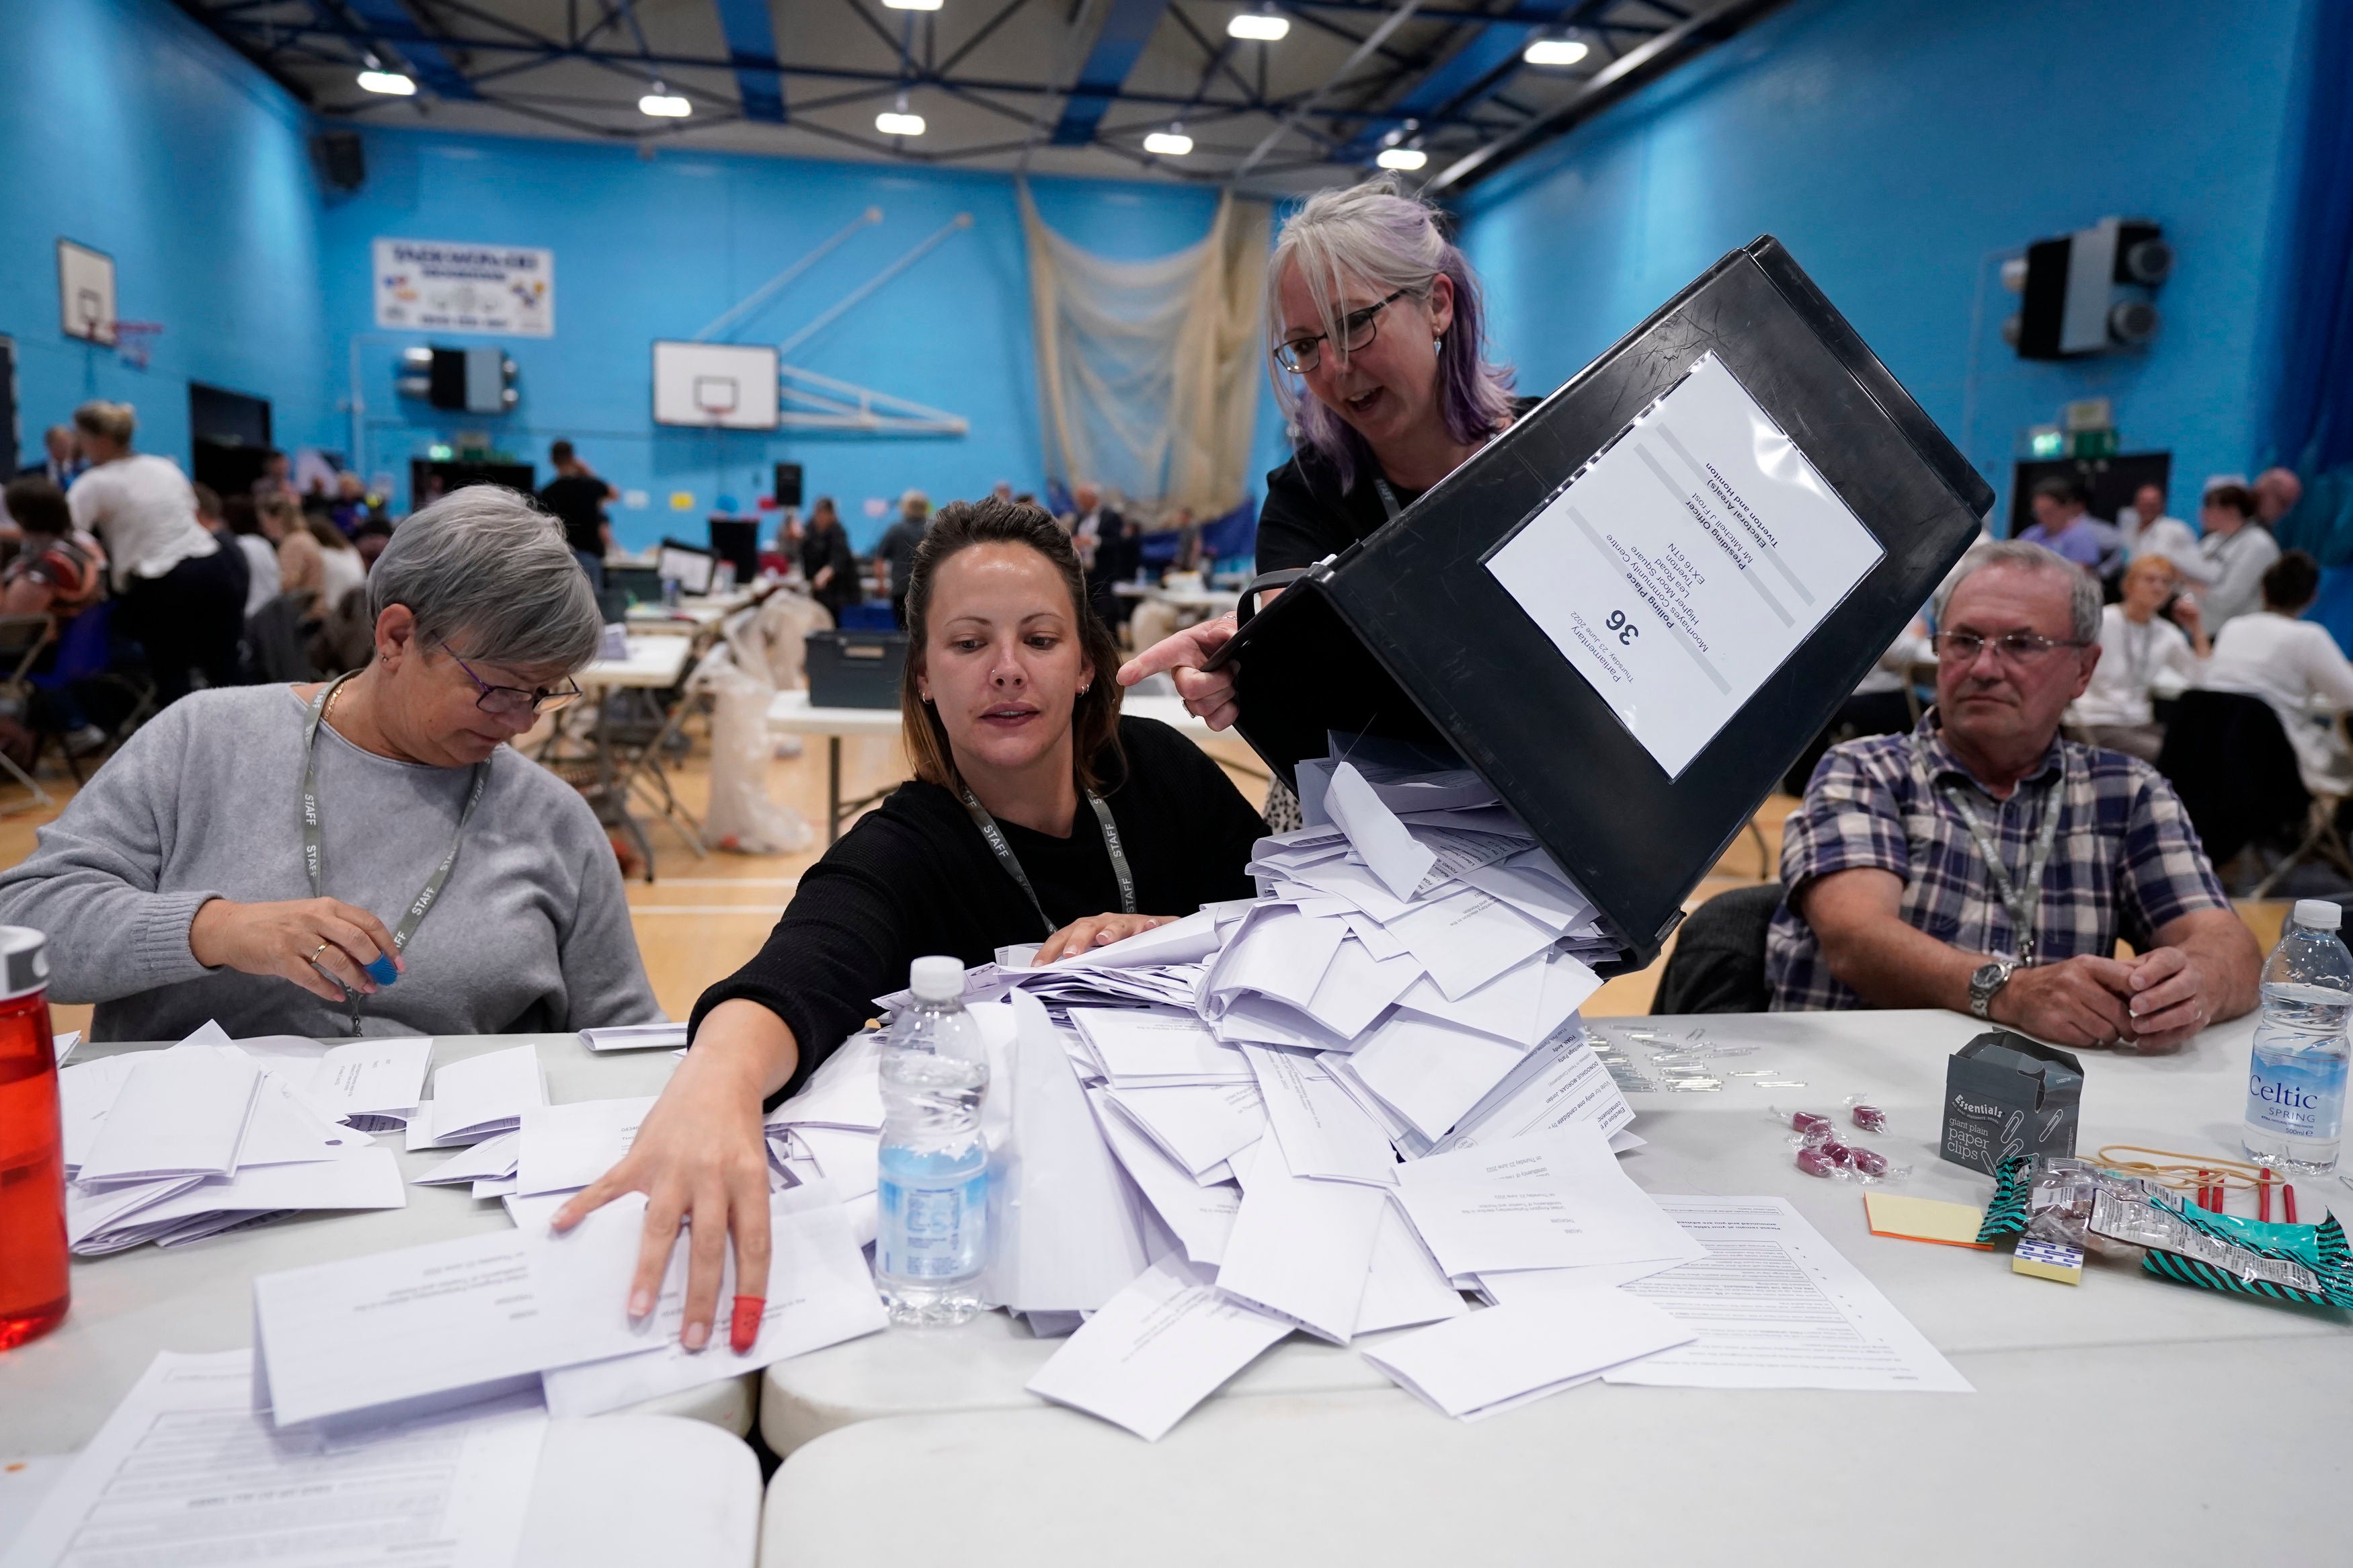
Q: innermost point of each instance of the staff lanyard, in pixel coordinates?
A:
(1388, 498)
(313, 860)
(1004, 851)
(2020, 898)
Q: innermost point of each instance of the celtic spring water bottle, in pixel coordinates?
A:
(931, 1222)
(2295, 1083)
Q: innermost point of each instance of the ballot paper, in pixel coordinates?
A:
(1494, 1360)
(489, 1160)
(1465, 937)
(373, 1083)
(358, 1178)
(1561, 1082)
(820, 1293)
(288, 1128)
(1200, 1217)
(485, 1095)
(1775, 1305)
(1199, 1126)
(86, 1093)
(1396, 857)
(846, 1089)
(564, 1146)
(1157, 1350)
(1403, 1285)
(635, 1038)
(1556, 1200)
(179, 1112)
(850, 1161)
(185, 1472)
(1323, 1133)
(1276, 953)
(1431, 1073)
(393, 1335)
(1302, 1248)
(1148, 1045)
(1684, 566)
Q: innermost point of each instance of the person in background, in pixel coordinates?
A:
(2238, 552)
(576, 497)
(277, 476)
(2293, 664)
(1001, 490)
(263, 583)
(351, 504)
(1985, 864)
(2062, 525)
(1034, 804)
(827, 562)
(1102, 537)
(2137, 646)
(2277, 492)
(60, 571)
(183, 593)
(894, 554)
(61, 458)
(317, 558)
(209, 514)
(370, 541)
(2147, 531)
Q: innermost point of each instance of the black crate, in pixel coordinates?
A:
(856, 670)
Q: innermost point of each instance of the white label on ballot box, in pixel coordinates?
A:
(1687, 563)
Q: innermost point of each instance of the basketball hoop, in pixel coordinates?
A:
(134, 340)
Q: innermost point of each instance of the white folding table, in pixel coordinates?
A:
(656, 663)
(57, 1391)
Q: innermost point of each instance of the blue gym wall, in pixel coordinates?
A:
(656, 248)
(1898, 149)
(127, 128)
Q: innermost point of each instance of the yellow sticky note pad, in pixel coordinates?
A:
(2048, 1261)
(1925, 1219)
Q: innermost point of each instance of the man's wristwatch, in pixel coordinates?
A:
(1986, 982)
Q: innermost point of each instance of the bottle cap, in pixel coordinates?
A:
(2319, 914)
(23, 961)
(941, 979)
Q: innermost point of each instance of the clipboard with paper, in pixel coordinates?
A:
(1631, 612)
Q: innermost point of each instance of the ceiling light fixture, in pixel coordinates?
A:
(1170, 143)
(664, 104)
(1262, 25)
(898, 122)
(911, 5)
(390, 82)
(1403, 159)
(1557, 52)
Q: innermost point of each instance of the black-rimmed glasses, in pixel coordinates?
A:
(1358, 329)
(513, 701)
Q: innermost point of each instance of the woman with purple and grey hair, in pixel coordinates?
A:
(1379, 363)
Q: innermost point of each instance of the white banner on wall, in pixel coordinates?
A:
(426, 283)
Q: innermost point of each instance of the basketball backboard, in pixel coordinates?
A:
(85, 292)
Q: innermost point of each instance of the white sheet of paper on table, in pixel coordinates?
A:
(1467, 937)
(1323, 1133)
(564, 1146)
(1357, 987)
(396, 1334)
(489, 1160)
(179, 1112)
(636, 1037)
(1553, 1201)
(1157, 1350)
(1429, 1072)
(1139, 1045)
(820, 1293)
(1501, 1356)
(359, 1178)
(1198, 1125)
(486, 1094)
(850, 1161)
(1557, 1084)
(86, 1093)
(1776, 1306)
(1276, 951)
(184, 1464)
(1687, 563)
(1200, 1218)
(287, 1129)
(1302, 1248)
(1404, 1286)
(846, 1089)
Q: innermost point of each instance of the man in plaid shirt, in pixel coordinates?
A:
(1895, 898)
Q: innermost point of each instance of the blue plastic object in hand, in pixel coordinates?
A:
(383, 971)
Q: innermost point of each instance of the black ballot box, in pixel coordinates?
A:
(1632, 610)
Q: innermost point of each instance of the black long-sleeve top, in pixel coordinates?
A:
(915, 878)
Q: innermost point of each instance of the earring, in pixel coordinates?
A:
(1437, 344)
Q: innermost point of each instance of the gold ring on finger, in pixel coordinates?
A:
(313, 959)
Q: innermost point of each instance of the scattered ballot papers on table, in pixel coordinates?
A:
(167, 1146)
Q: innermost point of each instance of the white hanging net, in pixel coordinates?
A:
(1148, 370)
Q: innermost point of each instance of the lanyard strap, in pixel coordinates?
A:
(2019, 896)
(1004, 852)
(313, 856)
(1388, 498)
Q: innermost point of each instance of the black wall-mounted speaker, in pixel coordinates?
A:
(788, 484)
(341, 159)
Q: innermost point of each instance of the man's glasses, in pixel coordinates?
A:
(513, 701)
(1358, 329)
(2011, 647)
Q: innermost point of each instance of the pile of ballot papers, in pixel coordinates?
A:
(168, 1146)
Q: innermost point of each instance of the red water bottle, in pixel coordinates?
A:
(33, 1287)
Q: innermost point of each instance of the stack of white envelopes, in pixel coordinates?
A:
(168, 1146)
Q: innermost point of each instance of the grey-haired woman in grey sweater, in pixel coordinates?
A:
(251, 852)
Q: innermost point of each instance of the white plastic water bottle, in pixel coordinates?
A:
(932, 1224)
(2295, 1085)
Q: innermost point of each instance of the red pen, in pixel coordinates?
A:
(2264, 1197)
(2287, 1197)
(743, 1322)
